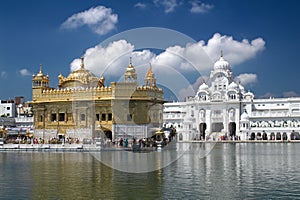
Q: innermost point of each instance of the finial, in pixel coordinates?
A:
(221, 53)
(130, 61)
(41, 69)
(149, 73)
(82, 62)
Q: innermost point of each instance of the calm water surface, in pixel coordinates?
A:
(229, 171)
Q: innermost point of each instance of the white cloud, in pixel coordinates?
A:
(140, 5)
(100, 19)
(112, 59)
(247, 79)
(290, 94)
(267, 95)
(198, 7)
(234, 51)
(188, 58)
(201, 56)
(284, 94)
(24, 72)
(192, 89)
(168, 5)
(3, 75)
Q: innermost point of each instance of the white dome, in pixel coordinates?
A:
(245, 116)
(203, 86)
(233, 86)
(249, 94)
(221, 64)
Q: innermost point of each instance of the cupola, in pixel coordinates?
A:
(150, 79)
(221, 63)
(130, 74)
(203, 86)
(79, 78)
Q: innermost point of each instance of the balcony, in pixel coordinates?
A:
(275, 114)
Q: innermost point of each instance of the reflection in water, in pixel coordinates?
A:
(229, 171)
(142, 162)
(237, 171)
(71, 176)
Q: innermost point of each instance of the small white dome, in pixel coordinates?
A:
(233, 86)
(203, 86)
(245, 116)
(249, 94)
(221, 64)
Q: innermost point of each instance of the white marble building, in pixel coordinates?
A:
(223, 109)
(7, 108)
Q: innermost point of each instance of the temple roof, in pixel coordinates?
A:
(79, 78)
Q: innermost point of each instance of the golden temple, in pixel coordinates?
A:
(84, 107)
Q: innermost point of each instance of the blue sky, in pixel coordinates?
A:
(258, 38)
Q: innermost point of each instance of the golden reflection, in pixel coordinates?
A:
(80, 175)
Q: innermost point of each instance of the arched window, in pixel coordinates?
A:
(82, 117)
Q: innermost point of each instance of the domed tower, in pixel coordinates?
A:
(80, 78)
(244, 125)
(221, 64)
(221, 76)
(150, 79)
(130, 74)
(203, 92)
(40, 82)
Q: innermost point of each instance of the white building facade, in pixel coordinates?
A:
(222, 109)
(7, 108)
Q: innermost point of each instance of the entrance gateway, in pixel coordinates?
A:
(202, 128)
(232, 129)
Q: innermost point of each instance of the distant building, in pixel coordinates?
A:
(17, 117)
(223, 109)
(7, 108)
(84, 107)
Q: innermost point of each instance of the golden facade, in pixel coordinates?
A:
(84, 107)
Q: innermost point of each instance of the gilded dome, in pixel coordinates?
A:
(149, 73)
(82, 74)
(130, 69)
(40, 75)
(130, 75)
(79, 78)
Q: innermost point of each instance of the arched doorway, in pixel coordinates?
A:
(258, 136)
(202, 128)
(272, 136)
(232, 129)
(284, 136)
(252, 136)
(295, 136)
(108, 134)
(264, 136)
(278, 136)
(180, 136)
